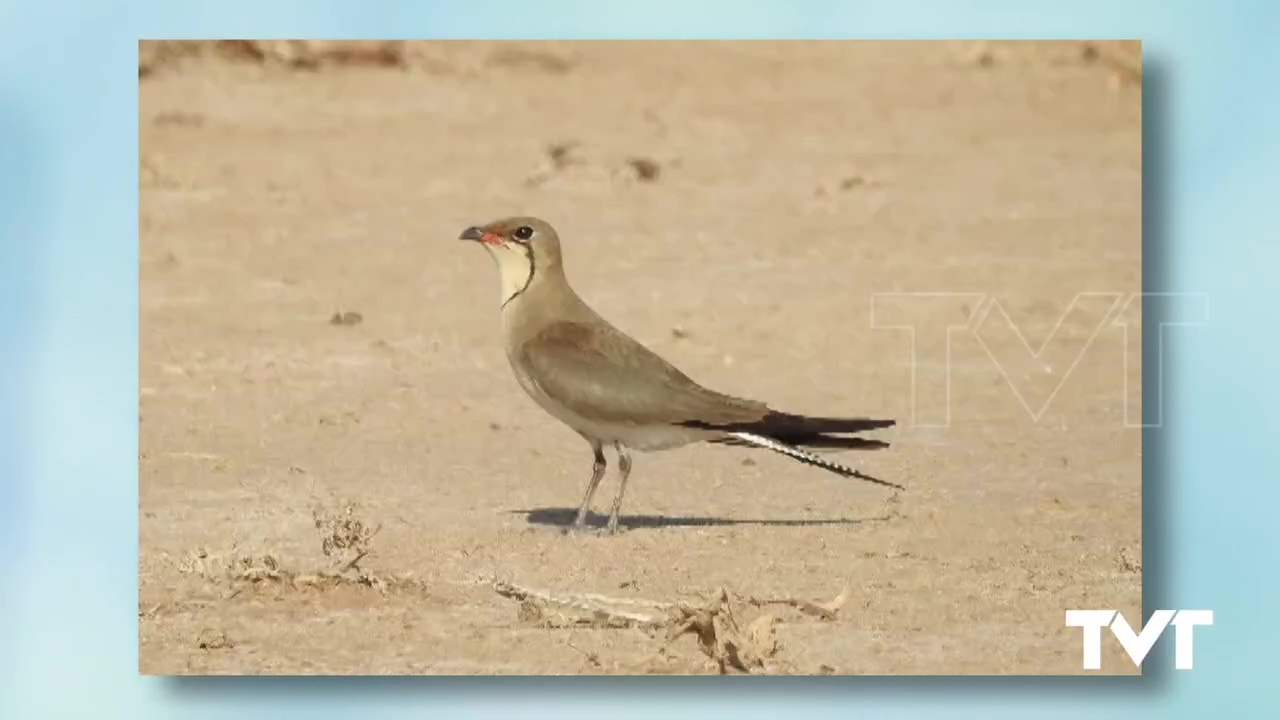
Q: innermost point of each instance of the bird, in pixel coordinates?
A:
(614, 391)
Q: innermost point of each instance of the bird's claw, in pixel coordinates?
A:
(581, 528)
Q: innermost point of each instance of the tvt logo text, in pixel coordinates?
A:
(1138, 644)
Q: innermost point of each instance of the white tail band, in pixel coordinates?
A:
(807, 457)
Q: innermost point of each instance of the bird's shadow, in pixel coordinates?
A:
(562, 517)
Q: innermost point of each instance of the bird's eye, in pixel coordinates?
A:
(524, 232)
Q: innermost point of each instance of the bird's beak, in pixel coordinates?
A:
(480, 234)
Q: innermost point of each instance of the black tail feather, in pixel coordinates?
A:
(804, 431)
(818, 442)
(809, 458)
(788, 424)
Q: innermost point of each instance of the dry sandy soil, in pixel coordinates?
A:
(735, 206)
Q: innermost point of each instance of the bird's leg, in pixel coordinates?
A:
(624, 470)
(597, 473)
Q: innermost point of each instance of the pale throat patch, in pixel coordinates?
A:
(514, 268)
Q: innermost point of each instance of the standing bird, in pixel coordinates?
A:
(614, 391)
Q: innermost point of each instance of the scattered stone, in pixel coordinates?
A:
(346, 318)
(646, 170)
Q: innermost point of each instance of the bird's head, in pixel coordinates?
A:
(522, 247)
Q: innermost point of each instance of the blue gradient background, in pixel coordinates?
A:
(68, 359)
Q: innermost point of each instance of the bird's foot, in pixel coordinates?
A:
(580, 527)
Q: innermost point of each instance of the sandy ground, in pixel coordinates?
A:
(735, 206)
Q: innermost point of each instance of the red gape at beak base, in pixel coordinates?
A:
(491, 238)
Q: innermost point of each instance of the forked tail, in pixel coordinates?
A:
(804, 431)
(790, 435)
(806, 457)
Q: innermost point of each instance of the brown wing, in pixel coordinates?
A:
(603, 375)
